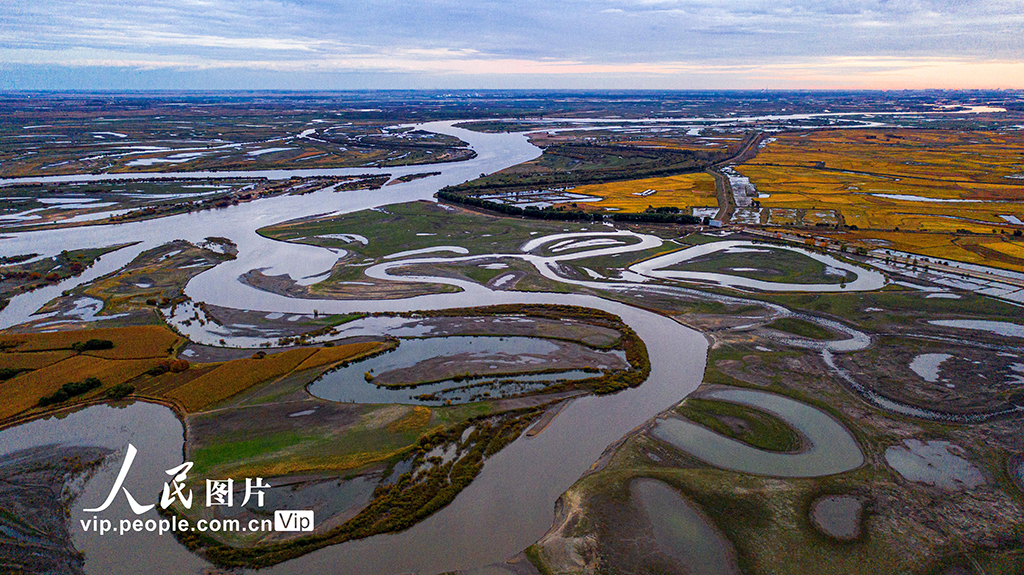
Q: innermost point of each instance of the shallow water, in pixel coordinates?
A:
(937, 463)
(831, 448)
(997, 327)
(524, 480)
(326, 498)
(927, 365)
(682, 532)
(158, 436)
(838, 515)
(507, 354)
(521, 482)
(913, 198)
(511, 503)
(239, 223)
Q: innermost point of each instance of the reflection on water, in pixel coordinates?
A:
(471, 354)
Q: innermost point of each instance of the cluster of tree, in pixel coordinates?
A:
(658, 215)
(578, 164)
(69, 390)
(8, 372)
(67, 266)
(8, 260)
(448, 195)
(369, 183)
(639, 363)
(411, 177)
(173, 366)
(120, 391)
(92, 345)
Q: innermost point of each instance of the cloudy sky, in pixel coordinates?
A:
(343, 44)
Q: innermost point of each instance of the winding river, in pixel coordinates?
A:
(510, 504)
(507, 508)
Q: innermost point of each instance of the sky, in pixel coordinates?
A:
(466, 44)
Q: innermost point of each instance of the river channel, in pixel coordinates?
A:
(511, 503)
(508, 507)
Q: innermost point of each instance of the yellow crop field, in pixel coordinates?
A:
(997, 251)
(303, 462)
(328, 355)
(683, 191)
(1012, 249)
(417, 418)
(34, 360)
(23, 392)
(937, 181)
(235, 376)
(161, 385)
(671, 144)
(137, 350)
(129, 342)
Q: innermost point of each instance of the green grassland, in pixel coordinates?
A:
(751, 426)
(783, 266)
(801, 327)
(419, 225)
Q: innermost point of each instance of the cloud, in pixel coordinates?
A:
(620, 38)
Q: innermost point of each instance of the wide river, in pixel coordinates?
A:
(507, 508)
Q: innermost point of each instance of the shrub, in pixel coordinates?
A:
(8, 372)
(69, 390)
(160, 368)
(120, 391)
(92, 345)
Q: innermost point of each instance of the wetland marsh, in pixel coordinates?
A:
(453, 387)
